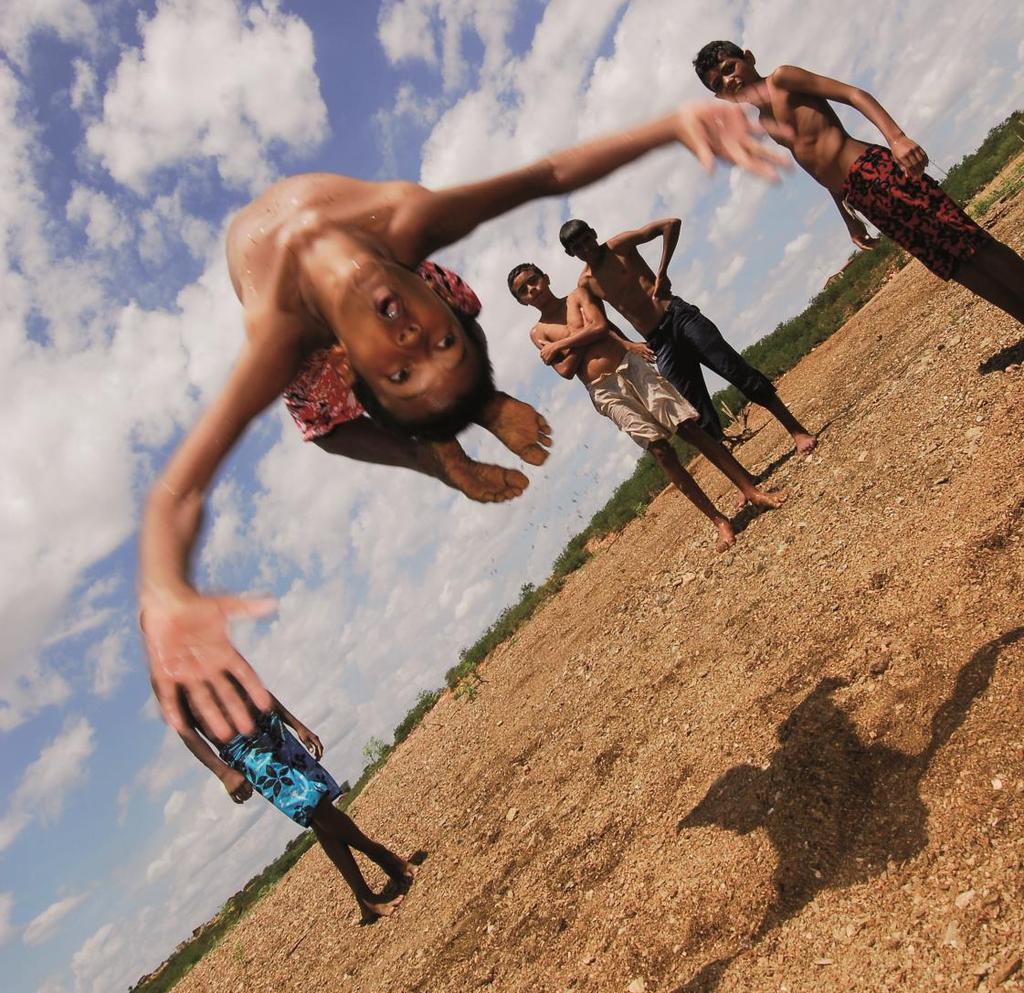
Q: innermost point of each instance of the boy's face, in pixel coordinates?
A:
(584, 246)
(731, 75)
(531, 288)
(407, 345)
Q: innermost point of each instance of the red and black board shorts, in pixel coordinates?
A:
(915, 213)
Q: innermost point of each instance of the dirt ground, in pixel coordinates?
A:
(798, 766)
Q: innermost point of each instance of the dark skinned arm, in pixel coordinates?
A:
(907, 152)
(667, 229)
(426, 221)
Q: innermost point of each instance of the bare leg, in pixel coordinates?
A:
(518, 427)
(996, 273)
(342, 827)
(367, 441)
(664, 454)
(336, 832)
(803, 439)
(721, 458)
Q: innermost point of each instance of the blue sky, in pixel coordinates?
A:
(129, 133)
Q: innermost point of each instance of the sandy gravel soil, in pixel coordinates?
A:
(798, 766)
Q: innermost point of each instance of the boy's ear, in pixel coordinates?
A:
(337, 357)
(748, 56)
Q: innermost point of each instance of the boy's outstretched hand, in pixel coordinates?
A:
(189, 651)
(911, 157)
(720, 129)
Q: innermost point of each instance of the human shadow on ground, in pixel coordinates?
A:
(1004, 358)
(836, 808)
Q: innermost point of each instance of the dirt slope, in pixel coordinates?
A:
(795, 767)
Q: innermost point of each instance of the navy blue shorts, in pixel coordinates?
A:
(683, 341)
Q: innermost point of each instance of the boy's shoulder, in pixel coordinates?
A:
(787, 77)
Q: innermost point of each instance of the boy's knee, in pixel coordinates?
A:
(661, 451)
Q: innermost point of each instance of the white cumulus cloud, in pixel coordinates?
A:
(224, 93)
(43, 927)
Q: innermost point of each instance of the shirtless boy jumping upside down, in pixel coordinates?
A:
(343, 313)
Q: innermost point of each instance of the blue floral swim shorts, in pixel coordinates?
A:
(277, 766)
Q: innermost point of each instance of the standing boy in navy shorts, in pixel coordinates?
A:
(680, 336)
(274, 763)
(887, 185)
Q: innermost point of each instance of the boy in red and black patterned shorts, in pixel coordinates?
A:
(887, 185)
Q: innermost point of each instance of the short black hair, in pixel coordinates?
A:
(571, 230)
(518, 270)
(445, 424)
(713, 53)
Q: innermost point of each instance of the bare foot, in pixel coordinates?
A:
(518, 427)
(726, 535)
(768, 501)
(403, 875)
(741, 500)
(805, 443)
(376, 907)
(477, 480)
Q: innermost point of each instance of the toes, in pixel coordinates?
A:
(535, 454)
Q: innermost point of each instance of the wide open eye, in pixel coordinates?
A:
(447, 341)
(399, 377)
(389, 307)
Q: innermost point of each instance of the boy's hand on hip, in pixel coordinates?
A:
(311, 741)
(662, 288)
(237, 786)
(190, 652)
(643, 350)
(860, 237)
(910, 156)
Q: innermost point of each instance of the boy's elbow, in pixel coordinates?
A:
(860, 99)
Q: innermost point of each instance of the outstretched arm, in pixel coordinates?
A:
(667, 229)
(907, 152)
(185, 632)
(858, 233)
(427, 221)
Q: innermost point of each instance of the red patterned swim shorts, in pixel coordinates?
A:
(916, 213)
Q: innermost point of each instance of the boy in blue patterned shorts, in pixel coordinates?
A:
(274, 763)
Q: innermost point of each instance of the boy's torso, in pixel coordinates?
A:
(623, 279)
(596, 360)
(820, 144)
(353, 214)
